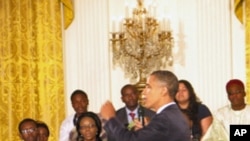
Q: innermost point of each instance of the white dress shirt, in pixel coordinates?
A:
(66, 127)
(135, 112)
(226, 116)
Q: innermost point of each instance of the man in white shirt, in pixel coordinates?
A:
(238, 112)
(80, 102)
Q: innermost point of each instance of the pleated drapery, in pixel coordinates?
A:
(31, 64)
(247, 30)
(242, 12)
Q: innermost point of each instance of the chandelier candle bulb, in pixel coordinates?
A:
(154, 11)
(126, 11)
(121, 25)
(113, 25)
(150, 11)
(167, 24)
(163, 27)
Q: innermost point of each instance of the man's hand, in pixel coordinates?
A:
(138, 124)
(107, 110)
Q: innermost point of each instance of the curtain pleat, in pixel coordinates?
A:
(247, 38)
(242, 12)
(68, 12)
(31, 64)
(238, 8)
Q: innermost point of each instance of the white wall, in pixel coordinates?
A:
(209, 48)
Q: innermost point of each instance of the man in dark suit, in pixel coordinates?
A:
(132, 110)
(168, 124)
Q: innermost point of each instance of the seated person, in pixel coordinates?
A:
(43, 131)
(28, 130)
(132, 109)
(200, 117)
(216, 132)
(237, 112)
(89, 127)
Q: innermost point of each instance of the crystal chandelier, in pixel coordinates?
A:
(142, 45)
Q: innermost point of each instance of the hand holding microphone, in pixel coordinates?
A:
(141, 116)
(141, 121)
(138, 124)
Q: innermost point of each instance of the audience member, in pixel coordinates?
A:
(89, 127)
(80, 102)
(43, 131)
(130, 97)
(168, 124)
(237, 112)
(198, 115)
(28, 130)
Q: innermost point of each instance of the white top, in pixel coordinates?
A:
(226, 116)
(66, 127)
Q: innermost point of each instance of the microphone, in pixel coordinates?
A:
(141, 115)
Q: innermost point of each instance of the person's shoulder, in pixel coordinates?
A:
(202, 105)
(120, 110)
(247, 111)
(222, 110)
(66, 126)
(68, 118)
(247, 108)
(149, 111)
(203, 111)
(173, 108)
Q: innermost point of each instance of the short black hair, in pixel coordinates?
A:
(133, 87)
(78, 91)
(24, 121)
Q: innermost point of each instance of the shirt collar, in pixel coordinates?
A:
(164, 106)
(135, 111)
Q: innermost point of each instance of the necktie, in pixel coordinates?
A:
(132, 115)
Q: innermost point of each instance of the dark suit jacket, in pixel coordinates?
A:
(169, 125)
(121, 114)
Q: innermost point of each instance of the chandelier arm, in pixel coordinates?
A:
(131, 55)
(132, 33)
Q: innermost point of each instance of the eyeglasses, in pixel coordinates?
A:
(90, 126)
(26, 131)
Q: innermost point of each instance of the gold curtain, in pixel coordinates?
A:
(31, 64)
(247, 5)
(238, 9)
(242, 12)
